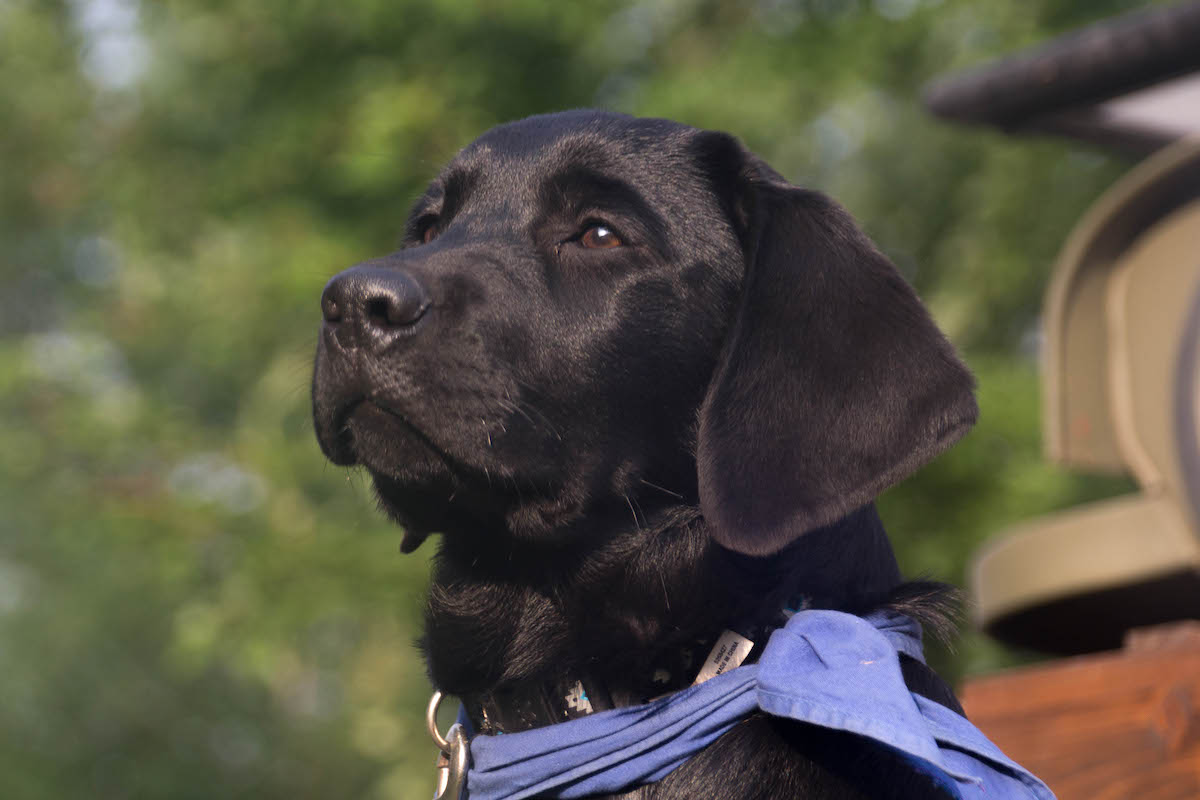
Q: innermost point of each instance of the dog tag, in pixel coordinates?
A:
(729, 652)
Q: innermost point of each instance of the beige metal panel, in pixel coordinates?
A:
(1116, 315)
(1082, 434)
(1150, 294)
(1077, 419)
(1098, 546)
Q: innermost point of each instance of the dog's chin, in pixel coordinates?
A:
(420, 487)
(475, 511)
(386, 444)
(425, 489)
(420, 508)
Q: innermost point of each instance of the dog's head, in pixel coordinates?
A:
(597, 314)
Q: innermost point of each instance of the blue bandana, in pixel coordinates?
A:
(825, 668)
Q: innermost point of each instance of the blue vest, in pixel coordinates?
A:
(825, 668)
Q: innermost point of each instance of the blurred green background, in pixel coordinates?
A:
(192, 602)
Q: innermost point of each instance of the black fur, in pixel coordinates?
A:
(626, 449)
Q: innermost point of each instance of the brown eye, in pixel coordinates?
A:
(429, 235)
(600, 237)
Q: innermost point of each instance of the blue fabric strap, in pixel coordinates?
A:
(825, 668)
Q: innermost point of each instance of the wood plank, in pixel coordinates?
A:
(1124, 724)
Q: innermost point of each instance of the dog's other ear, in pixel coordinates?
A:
(834, 382)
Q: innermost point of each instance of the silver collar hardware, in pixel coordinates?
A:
(452, 758)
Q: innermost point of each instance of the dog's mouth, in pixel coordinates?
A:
(426, 489)
(375, 434)
(439, 465)
(372, 433)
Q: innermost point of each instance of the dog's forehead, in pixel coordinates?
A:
(618, 132)
(526, 152)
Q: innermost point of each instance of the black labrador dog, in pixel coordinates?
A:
(643, 387)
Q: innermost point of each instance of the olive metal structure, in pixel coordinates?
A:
(1121, 361)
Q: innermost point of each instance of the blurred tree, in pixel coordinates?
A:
(192, 603)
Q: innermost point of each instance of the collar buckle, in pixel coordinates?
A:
(452, 756)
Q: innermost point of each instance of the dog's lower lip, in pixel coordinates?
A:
(392, 413)
(465, 470)
(338, 441)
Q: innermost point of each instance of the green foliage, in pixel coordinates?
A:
(192, 603)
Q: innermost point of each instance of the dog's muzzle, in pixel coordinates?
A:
(372, 307)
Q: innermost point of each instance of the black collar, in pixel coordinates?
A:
(522, 706)
(533, 704)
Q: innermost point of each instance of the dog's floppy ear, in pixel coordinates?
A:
(834, 382)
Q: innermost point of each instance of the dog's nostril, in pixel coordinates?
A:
(331, 310)
(371, 305)
(377, 312)
(394, 309)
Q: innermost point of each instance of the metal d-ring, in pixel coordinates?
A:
(453, 756)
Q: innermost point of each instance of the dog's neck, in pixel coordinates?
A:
(502, 611)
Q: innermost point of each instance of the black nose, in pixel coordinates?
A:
(372, 306)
